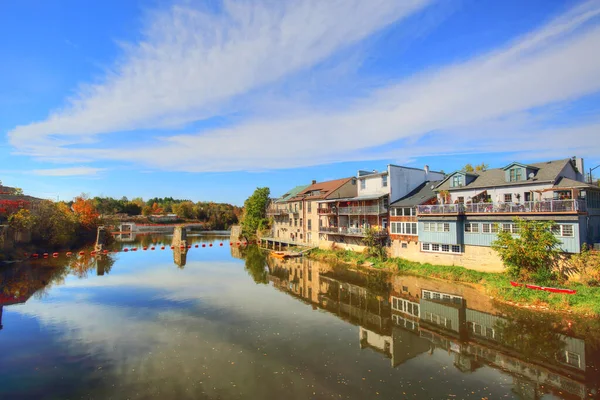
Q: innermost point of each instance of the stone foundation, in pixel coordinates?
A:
(478, 258)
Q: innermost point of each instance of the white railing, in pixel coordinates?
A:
(345, 230)
(542, 206)
(364, 210)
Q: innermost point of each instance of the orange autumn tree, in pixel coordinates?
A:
(85, 211)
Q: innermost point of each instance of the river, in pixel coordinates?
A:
(226, 322)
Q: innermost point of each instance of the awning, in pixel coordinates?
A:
(358, 198)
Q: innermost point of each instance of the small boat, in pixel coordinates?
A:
(283, 255)
(546, 289)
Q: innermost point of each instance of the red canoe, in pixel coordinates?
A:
(546, 289)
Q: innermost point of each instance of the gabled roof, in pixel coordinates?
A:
(288, 195)
(325, 189)
(567, 183)
(547, 172)
(518, 164)
(423, 193)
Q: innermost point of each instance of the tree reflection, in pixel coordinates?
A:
(256, 261)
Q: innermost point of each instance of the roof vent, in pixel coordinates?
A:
(314, 182)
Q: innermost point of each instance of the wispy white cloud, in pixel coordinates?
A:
(71, 171)
(192, 64)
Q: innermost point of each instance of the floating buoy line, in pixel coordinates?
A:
(131, 249)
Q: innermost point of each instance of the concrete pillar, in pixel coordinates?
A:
(100, 238)
(179, 237)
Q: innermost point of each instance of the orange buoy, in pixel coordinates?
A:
(134, 249)
(231, 243)
(196, 246)
(45, 255)
(35, 255)
(54, 254)
(189, 246)
(125, 249)
(81, 253)
(162, 247)
(105, 251)
(145, 248)
(25, 255)
(210, 245)
(152, 248)
(220, 244)
(203, 244)
(69, 254)
(172, 247)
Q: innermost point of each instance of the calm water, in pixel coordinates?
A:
(227, 323)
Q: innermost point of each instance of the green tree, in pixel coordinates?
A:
(478, 168)
(255, 208)
(255, 262)
(375, 242)
(532, 254)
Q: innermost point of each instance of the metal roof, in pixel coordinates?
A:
(420, 195)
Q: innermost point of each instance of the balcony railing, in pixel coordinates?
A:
(348, 231)
(327, 211)
(542, 206)
(364, 210)
(277, 211)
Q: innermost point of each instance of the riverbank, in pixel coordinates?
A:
(585, 302)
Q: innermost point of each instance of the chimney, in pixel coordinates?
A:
(314, 182)
(426, 169)
(578, 164)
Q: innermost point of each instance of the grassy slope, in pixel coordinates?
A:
(585, 301)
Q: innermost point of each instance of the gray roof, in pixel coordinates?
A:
(547, 172)
(568, 183)
(357, 198)
(420, 195)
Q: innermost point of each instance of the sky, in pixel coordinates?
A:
(208, 100)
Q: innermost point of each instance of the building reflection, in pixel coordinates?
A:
(414, 316)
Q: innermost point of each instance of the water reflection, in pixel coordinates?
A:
(414, 316)
(235, 323)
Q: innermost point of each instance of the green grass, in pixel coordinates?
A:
(586, 301)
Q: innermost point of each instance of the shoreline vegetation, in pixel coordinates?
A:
(586, 302)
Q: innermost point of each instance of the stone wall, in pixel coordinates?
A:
(478, 258)
(236, 232)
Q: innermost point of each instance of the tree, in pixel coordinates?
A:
(255, 208)
(478, 168)
(533, 254)
(86, 212)
(146, 211)
(374, 241)
(21, 220)
(17, 192)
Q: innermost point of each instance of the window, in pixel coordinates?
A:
(384, 180)
(468, 227)
(363, 184)
(309, 209)
(508, 198)
(515, 174)
(506, 227)
(295, 222)
(495, 228)
(563, 230)
(486, 228)
(457, 180)
(446, 227)
(516, 229)
(426, 226)
(309, 224)
(408, 211)
(440, 248)
(404, 228)
(404, 245)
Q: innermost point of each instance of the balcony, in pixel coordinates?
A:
(362, 210)
(272, 211)
(527, 207)
(348, 231)
(327, 211)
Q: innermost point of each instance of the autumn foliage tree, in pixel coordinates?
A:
(86, 212)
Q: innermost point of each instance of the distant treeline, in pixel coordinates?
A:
(215, 215)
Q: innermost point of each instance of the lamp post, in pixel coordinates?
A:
(591, 169)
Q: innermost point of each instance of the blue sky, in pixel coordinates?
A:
(207, 100)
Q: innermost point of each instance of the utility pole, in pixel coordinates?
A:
(591, 169)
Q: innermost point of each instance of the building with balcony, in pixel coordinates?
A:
(345, 222)
(471, 209)
(310, 197)
(285, 215)
(404, 232)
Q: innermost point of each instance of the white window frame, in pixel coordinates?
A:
(431, 248)
(384, 180)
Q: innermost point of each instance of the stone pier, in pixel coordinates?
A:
(179, 237)
(100, 238)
